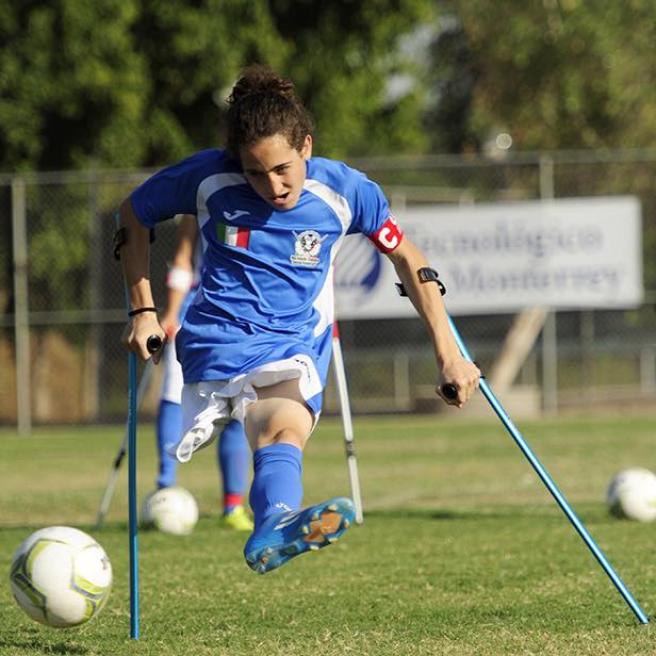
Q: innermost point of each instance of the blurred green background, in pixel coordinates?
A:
(127, 83)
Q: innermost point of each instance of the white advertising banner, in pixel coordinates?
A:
(502, 257)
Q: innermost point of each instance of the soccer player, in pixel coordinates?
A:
(254, 341)
(233, 453)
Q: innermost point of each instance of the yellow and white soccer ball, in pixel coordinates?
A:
(631, 494)
(171, 510)
(60, 576)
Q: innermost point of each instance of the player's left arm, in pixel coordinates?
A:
(427, 299)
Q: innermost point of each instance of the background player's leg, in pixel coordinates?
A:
(234, 460)
(233, 456)
(169, 428)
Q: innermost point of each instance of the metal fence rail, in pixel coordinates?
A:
(61, 296)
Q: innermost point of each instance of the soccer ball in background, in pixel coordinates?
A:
(631, 494)
(171, 510)
(60, 576)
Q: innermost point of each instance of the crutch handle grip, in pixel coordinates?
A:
(154, 343)
(449, 391)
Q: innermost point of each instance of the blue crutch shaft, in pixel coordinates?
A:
(153, 344)
(132, 496)
(450, 391)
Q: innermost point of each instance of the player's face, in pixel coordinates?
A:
(276, 170)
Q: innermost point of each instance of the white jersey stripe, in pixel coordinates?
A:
(212, 184)
(324, 304)
(325, 300)
(337, 203)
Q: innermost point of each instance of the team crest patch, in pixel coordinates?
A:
(307, 248)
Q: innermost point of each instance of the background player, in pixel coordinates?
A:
(232, 452)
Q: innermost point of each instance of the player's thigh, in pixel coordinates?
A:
(279, 415)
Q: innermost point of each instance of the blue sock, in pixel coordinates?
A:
(169, 427)
(277, 484)
(234, 461)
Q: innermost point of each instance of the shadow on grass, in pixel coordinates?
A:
(545, 513)
(590, 514)
(91, 529)
(37, 643)
(440, 514)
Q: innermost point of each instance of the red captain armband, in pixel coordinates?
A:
(388, 236)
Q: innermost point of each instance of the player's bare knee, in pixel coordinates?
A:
(272, 421)
(288, 436)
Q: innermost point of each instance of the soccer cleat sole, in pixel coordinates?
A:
(325, 527)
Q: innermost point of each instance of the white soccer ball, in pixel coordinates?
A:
(631, 494)
(60, 576)
(171, 510)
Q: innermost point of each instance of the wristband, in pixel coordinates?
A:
(179, 278)
(425, 274)
(132, 313)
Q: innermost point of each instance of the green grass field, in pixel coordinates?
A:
(462, 551)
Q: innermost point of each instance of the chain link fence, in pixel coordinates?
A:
(62, 305)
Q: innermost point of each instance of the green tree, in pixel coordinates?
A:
(561, 74)
(193, 53)
(70, 84)
(556, 75)
(343, 54)
(142, 82)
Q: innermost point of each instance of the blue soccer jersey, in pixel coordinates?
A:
(266, 292)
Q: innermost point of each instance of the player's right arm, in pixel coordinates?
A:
(135, 262)
(171, 191)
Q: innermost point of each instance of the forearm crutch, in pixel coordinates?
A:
(347, 423)
(450, 391)
(153, 344)
(106, 500)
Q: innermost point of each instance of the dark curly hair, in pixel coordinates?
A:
(261, 105)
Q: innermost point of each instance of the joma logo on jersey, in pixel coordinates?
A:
(234, 215)
(307, 248)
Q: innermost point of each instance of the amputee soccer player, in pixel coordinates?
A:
(255, 342)
(232, 452)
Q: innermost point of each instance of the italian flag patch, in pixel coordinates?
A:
(233, 235)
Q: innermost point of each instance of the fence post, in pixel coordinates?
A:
(21, 306)
(93, 360)
(549, 337)
(648, 370)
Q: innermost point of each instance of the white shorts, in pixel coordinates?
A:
(208, 404)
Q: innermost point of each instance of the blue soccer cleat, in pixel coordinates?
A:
(285, 535)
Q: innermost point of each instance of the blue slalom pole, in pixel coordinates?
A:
(449, 391)
(132, 496)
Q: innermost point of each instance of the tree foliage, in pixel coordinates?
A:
(70, 83)
(142, 82)
(554, 74)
